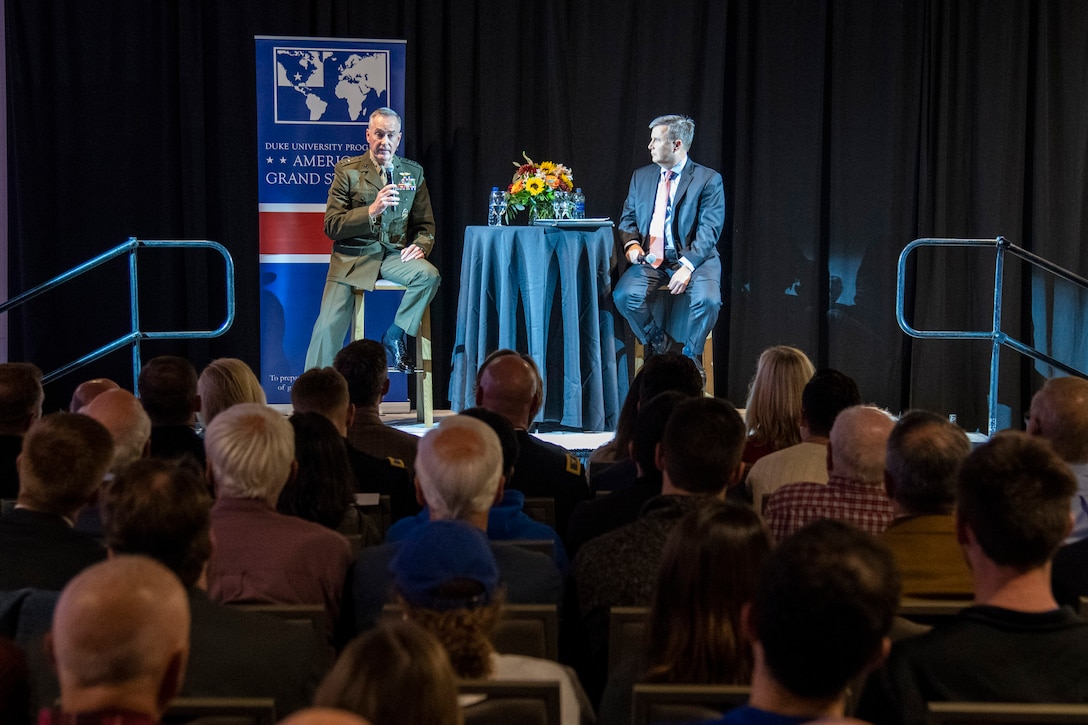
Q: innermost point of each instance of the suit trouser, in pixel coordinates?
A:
(338, 306)
(641, 281)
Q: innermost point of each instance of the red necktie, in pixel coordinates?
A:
(660, 218)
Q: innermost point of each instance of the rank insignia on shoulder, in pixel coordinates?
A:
(396, 462)
(574, 465)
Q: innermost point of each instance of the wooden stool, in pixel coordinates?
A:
(423, 371)
(708, 361)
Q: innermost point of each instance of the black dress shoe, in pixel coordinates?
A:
(658, 345)
(396, 352)
(698, 360)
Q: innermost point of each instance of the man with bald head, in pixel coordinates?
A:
(854, 491)
(1059, 414)
(458, 478)
(65, 456)
(87, 391)
(509, 384)
(120, 641)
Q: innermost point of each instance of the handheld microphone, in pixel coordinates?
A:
(389, 178)
(646, 258)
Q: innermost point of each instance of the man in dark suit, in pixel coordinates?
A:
(161, 509)
(671, 221)
(65, 456)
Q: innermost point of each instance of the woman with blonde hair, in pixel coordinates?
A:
(773, 411)
(226, 382)
(395, 674)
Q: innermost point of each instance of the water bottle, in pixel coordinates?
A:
(496, 207)
(578, 201)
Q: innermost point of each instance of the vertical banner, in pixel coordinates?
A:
(314, 99)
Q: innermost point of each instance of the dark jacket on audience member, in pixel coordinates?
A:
(42, 551)
(599, 516)
(175, 441)
(545, 470)
(383, 476)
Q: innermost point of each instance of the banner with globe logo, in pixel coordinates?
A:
(314, 99)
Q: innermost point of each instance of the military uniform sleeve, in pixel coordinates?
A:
(347, 213)
(421, 219)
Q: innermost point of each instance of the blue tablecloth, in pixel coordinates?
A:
(511, 281)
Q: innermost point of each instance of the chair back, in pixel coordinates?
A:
(626, 634)
(684, 703)
(540, 509)
(1000, 713)
(523, 702)
(540, 546)
(931, 611)
(307, 615)
(377, 508)
(221, 710)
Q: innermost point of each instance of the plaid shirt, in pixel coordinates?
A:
(862, 504)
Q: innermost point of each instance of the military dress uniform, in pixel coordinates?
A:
(365, 249)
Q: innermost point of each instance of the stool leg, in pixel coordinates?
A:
(357, 332)
(424, 392)
(708, 364)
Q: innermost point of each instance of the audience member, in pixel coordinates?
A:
(821, 614)
(458, 477)
(167, 388)
(1059, 415)
(510, 384)
(708, 571)
(924, 456)
(161, 508)
(87, 391)
(662, 373)
(825, 395)
(1016, 644)
(21, 398)
(260, 554)
(65, 456)
(507, 520)
(699, 456)
(854, 491)
(323, 491)
(396, 673)
(225, 382)
(448, 581)
(598, 516)
(323, 716)
(363, 365)
(774, 401)
(325, 391)
(120, 641)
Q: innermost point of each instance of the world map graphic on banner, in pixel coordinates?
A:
(343, 86)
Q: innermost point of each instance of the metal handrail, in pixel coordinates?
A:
(136, 335)
(998, 338)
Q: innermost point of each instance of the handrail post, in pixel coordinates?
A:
(995, 337)
(134, 299)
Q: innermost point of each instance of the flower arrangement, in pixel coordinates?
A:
(536, 187)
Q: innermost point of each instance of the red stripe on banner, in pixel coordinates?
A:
(293, 233)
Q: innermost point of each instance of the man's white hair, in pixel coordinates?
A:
(458, 465)
(250, 448)
(859, 443)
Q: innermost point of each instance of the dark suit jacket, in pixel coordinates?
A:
(42, 551)
(545, 470)
(246, 654)
(698, 210)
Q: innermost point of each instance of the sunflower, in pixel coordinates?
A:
(534, 185)
(547, 166)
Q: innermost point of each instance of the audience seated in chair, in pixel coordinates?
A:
(260, 554)
(130, 428)
(774, 401)
(167, 388)
(924, 456)
(700, 457)
(396, 673)
(64, 458)
(1059, 415)
(120, 642)
(448, 581)
(325, 391)
(509, 384)
(854, 491)
(1016, 644)
(87, 391)
(226, 381)
(708, 572)
(21, 398)
(162, 509)
(507, 520)
(825, 395)
(458, 477)
(363, 365)
(822, 610)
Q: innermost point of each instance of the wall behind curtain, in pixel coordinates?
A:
(843, 129)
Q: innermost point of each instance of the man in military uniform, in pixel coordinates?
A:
(379, 218)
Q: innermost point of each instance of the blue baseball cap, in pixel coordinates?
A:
(439, 552)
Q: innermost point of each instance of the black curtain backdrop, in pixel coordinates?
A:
(843, 129)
